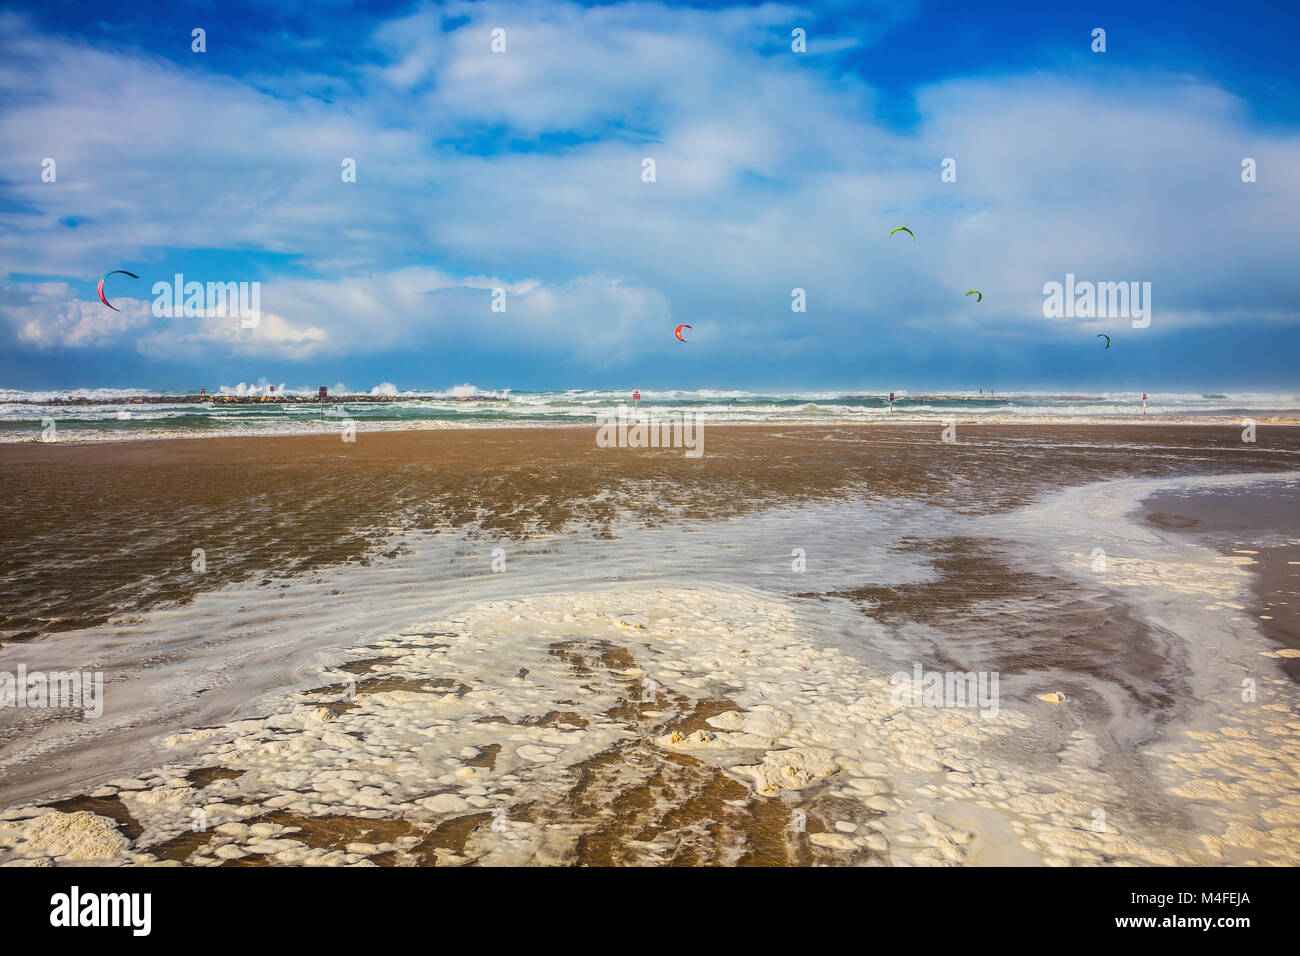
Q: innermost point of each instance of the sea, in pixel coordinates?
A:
(118, 414)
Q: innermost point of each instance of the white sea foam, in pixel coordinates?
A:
(442, 407)
(814, 716)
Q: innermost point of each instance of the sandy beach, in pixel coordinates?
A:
(511, 646)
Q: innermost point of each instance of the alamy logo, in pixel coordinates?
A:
(216, 299)
(624, 429)
(70, 689)
(1098, 300)
(103, 909)
(923, 688)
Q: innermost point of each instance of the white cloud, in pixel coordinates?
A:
(48, 315)
(771, 175)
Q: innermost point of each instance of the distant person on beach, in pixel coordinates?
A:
(891, 401)
(1144, 403)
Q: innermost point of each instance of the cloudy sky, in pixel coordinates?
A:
(774, 170)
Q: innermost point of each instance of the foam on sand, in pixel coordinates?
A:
(646, 721)
(550, 683)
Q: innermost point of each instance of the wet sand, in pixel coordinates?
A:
(663, 722)
(89, 531)
(1260, 526)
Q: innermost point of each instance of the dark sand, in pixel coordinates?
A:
(89, 531)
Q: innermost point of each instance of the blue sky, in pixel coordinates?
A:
(775, 170)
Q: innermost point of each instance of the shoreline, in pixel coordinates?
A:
(381, 427)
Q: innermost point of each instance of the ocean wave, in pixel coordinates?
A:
(117, 413)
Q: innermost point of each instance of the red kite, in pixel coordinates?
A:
(101, 286)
